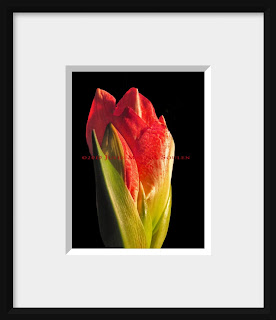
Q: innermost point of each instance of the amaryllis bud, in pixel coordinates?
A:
(139, 149)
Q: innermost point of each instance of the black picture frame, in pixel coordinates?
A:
(6, 117)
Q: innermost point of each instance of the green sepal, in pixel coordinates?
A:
(161, 228)
(119, 221)
(113, 149)
(144, 214)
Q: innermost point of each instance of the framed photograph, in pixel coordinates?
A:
(137, 149)
(186, 162)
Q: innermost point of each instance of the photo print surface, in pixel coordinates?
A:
(137, 159)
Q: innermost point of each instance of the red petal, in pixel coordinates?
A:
(100, 115)
(154, 152)
(139, 104)
(130, 125)
(162, 120)
(151, 151)
(149, 145)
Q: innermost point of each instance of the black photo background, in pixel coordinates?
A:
(179, 97)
